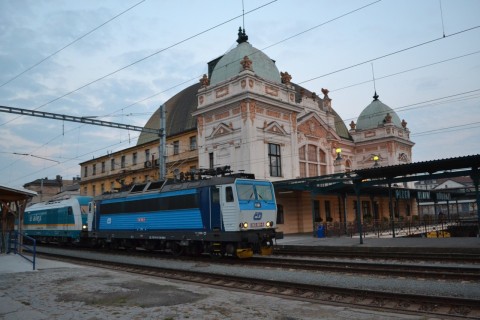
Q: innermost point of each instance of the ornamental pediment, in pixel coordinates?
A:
(221, 130)
(274, 128)
(312, 125)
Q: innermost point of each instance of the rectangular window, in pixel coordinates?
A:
(366, 209)
(112, 164)
(112, 186)
(146, 178)
(312, 153)
(85, 191)
(134, 158)
(94, 169)
(176, 147)
(301, 154)
(122, 162)
(316, 211)
(85, 171)
(280, 214)
(210, 160)
(102, 188)
(229, 194)
(147, 155)
(328, 214)
(93, 190)
(275, 160)
(193, 143)
(103, 166)
(303, 169)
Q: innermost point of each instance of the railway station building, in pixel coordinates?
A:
(250, 116)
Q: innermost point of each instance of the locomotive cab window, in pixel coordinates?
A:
(229, 194)
(70, 211)
(264, 193)
(245, 192)
(215, 195)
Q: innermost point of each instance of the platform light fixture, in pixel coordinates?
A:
(375, 158)
(339, 153)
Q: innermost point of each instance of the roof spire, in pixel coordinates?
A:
(242, 36)
(375, 97)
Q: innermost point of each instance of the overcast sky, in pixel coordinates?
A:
(119, 60)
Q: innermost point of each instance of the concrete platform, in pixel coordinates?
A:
(13, 263)
(307, 239)
(399, 244)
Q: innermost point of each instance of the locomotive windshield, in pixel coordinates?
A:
(248, 192)
(264, 192)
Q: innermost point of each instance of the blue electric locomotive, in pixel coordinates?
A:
(61, 220)
(223, 215)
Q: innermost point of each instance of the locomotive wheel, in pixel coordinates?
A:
(177, 250)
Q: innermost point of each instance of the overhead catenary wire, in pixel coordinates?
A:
(390, 54)
(143, 59)
(243, 14)
(71, 43)
(196, 78)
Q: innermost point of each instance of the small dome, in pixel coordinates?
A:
(229, 65)
(374, 115)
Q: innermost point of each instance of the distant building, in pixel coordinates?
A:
(48, 189)
(455, 201)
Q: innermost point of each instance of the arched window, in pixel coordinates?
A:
(312, 161)
(348, 165)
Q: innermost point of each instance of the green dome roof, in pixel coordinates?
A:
(229, 65)
(374, 115)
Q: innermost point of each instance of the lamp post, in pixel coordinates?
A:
(339, 154)
(375, 158)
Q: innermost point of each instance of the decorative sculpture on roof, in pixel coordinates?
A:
(286, 77)
(404, 123)
(352, 125)
(325, 92)
(242, 36)
(246, 63)
(204, 81)
(388, 118)
(314, 96)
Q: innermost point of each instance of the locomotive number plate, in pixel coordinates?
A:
(256, 224)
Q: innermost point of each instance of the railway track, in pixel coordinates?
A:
(462, 272)
(385, 269)
(441, 306)
(392, 253)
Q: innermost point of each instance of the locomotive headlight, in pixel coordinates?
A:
(244, 225)
(84, 227)
(269, 224)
